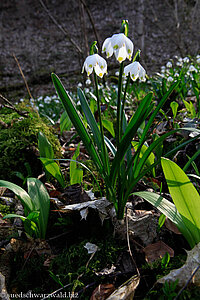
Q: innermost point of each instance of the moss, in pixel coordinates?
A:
(19, 141)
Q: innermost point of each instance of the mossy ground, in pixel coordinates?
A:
(18, 142)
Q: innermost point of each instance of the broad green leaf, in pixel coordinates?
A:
(41, 202)
(53, 168)
(161, 221)
(109, 126)
(20, 193)
(76, 174)
(77, 122)
(65, 122)
(169, 210)
(29, 225)
(174, 107)
(45, 146)
(184, 195)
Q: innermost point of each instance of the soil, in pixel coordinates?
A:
(41, 47)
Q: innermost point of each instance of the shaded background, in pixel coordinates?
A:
(55, 35)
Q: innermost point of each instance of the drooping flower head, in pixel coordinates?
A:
(95, 62)
(136, 71)
(119, 44)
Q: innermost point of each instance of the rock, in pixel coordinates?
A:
(3, 292)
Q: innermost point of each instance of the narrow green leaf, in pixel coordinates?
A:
(65, 122)
(77, 122)
(130, 132)
(184, 195)
(41, 202)
(91, 121)
(20, 193)
(76, 174)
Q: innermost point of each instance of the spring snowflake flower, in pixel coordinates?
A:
(179, 62)
(186, 59)
(169, 64)
(96, 62)
(192, 69)
(136, 71)
(176, 74)
(88, 81)
(198, 60)
(120, 45)
(170, 79)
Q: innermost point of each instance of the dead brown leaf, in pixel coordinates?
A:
(102, 291)
(171, 226)
(156, 251)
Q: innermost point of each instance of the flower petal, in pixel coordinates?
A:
(129, 48)
(121, 54)
(118, 40)
(107, 47)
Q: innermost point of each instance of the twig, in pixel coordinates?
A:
(11, 106)
(183, 288)
(64, 30)
(25, 81)
(83, 26)
(92, 22)
(128, 242)
(59, 290)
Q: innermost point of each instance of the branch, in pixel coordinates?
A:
(64, 30)
(92, 22)
(20, 69)
(11, 106)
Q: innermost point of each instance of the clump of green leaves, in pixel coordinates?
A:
(36, 205)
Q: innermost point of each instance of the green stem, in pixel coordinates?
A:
(105, 155)
(119, 112)
(123, 102)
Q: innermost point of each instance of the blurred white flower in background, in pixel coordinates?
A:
(169, 64)
(192, 69)
(88, 81)
(170, 79)
(186, 59)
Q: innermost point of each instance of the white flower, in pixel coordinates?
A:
(136, 71)
(176, 74)
(192, 69)
(198, 60)
(186, 59)
(169, 64)
(179, 62)
(96, 62)
(120, 45)
(79, 84)
(88, 81)
(170, 79)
